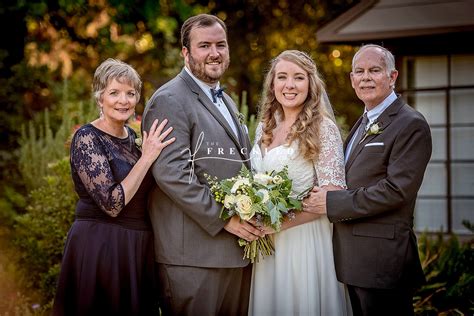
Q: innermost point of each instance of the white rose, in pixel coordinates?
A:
(374, 129)
(229, 200)
(238, 183)
(138, 142)
(262, 178)
(244, 207)
(277, 179)
(266, 195)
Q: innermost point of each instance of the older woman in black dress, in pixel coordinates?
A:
(107, 267)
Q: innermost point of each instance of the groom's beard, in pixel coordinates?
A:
(199, 68)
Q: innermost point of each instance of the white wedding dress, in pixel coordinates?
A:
(300, 278)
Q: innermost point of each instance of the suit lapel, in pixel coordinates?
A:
(242, 135)
(231, 110)
(383, 120)
(352, 132)
(348, 139)
(203, 99)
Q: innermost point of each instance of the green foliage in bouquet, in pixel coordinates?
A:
(266, 197)
(449, 270)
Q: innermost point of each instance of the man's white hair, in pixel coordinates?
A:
(388, 57)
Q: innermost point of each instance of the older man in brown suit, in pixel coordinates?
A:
(387, 151)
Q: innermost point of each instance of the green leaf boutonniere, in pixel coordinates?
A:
(373, 129)
(240, 118)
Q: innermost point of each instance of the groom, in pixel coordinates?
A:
(375, 249)
(199, 262)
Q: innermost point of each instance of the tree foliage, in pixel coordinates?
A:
(260, 30)
(66, 40)
(41, 144)
(70, 38)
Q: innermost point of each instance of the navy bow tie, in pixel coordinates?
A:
(216, 93)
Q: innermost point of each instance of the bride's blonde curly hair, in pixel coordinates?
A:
(305, 129)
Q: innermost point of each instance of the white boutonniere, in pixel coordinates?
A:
(373, 129)
(138, 142)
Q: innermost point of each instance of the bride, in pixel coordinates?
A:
(296, 130)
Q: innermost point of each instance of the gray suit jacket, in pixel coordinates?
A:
(184, 216)
(374, 243)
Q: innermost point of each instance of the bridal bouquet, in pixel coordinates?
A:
(266, 196)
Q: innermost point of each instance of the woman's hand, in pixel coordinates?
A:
(152, 145)
(154, 141)
(262, 228)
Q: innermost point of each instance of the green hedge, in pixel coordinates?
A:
(449, 270)
(40, 228)
(40, 233)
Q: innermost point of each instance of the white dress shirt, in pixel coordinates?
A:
(220, 102)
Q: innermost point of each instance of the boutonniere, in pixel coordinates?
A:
(135, 123)
(138, 142)
(373, 129)
(240, 118)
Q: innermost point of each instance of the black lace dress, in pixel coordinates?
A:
(107, 266)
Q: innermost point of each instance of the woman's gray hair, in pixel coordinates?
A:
(387, 56)
(112, 69)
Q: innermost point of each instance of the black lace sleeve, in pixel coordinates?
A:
(89, 159)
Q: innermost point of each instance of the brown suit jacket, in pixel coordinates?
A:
(184, 216)
(374, 243)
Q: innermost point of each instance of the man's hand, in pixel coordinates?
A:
(315, 202)
(243, 229)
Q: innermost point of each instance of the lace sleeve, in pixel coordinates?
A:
(330, 165)
(258, 134)
(89, 159)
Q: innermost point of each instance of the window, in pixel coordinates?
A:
(442, 89)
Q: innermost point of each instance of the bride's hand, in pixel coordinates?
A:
(264, 229)
(267, 230)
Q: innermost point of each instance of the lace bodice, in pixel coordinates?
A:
(328, 169)
(99, 162)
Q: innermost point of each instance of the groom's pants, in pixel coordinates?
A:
(200, 291)
(376, 302)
